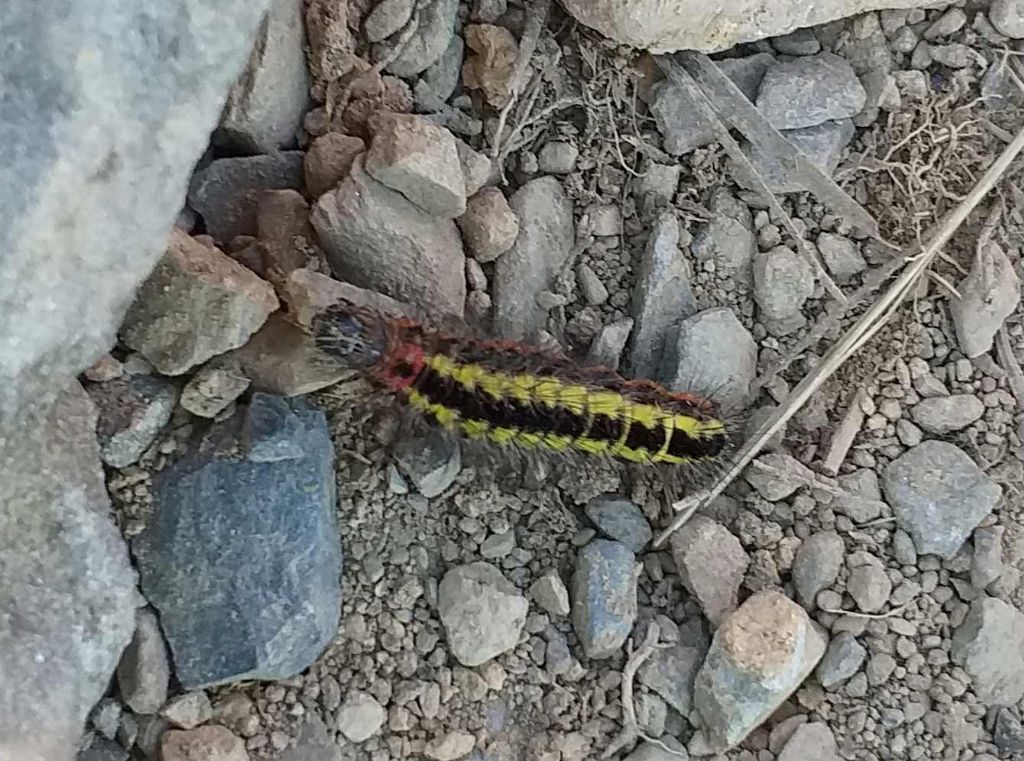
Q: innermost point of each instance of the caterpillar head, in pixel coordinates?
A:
(351, 336)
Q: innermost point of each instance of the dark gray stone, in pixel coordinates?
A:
(946, 414)
(266, 105)
(436, 25)
(261, 600)
(443, 77)
(989, 645)
(102, 749)
(868, 585)
(747, 72)
(670, 672)
(866, 48)
(607, 347)
(810, 90)
(728, 238)
(683, 126)
(711, 564)
(987, 558)
(712, 353)
(225, 192)
(816, 565)
(620, 519)
(546, 238)
(811, 742)
(841, 255)
(431, 459)
(990, 293)
(144, 670)
(376, 238)
(662, 298)
(604, 597)
(107, 108)
(798, 42)
(106, 717)
(843, 659)
(822, 144)
(67, 601)
(648, 751)
(783, 281)
(386, 18)
(132, 411)
(939, 496)
(1008, 734)
(314, 743)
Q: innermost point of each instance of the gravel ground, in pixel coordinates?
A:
(855, 594)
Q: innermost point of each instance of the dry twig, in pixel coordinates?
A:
(631, 731)
(843, 438)
(1014, 375)
(537, 15)
(875, 616)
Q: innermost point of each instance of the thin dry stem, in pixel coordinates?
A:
(874, 616)
(537, 15)
(631, 731)
(1014, 375)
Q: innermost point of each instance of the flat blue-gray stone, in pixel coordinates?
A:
(939, 496)
(243, 559)
(604, 597)
(620, 519)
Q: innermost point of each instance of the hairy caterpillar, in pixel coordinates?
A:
(512, 394)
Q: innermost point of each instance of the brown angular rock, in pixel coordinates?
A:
(196, 304)
(225, 191)
(489, 225)
(282, 359)
(285, 235)
(419, 160)
(210, 743)
(489, 67)
(282, 215)
(213, 388)
(331, 45)
(376, 238)
(329, 160)
(308, 293)
(369, 94)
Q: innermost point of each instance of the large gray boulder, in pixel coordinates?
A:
(67, 599)
(670, 25)
(109, 104)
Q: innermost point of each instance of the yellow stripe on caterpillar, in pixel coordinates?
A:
(574, 398)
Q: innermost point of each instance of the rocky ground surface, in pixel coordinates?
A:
(322, 583)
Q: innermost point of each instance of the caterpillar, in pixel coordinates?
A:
(512, 394)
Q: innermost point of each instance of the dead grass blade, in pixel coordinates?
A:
(734, 108)
(866, 327)
(721, 109)
(537, 15)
